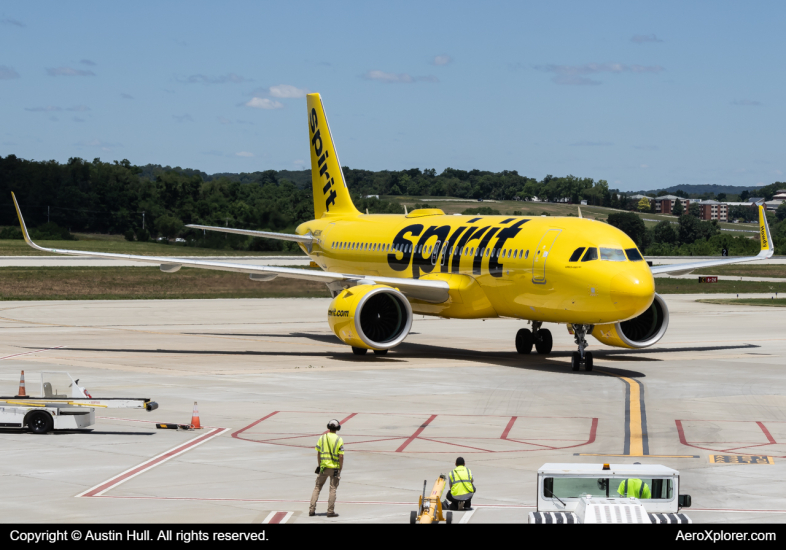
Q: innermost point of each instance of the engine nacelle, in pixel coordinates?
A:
(370, 316)
(639, 332)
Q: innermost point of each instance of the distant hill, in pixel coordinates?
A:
(701, 189)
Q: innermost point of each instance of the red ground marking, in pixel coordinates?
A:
(746, 444)
(416, 434)
(277, 517)
(408, 440)
(29, 352)
(148, 464)
(341, 422)
(240, 431)
(508, 427)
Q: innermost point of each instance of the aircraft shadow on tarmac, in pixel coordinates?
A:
(410, 350)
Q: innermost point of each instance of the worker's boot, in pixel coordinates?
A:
(461, 505)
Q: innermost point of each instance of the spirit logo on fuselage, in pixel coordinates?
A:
(446, 254)
(316, 144)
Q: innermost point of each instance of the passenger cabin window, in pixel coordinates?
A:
(577, 487)
(576, 254)
(634, 255)
(612, 255)
(590, 254)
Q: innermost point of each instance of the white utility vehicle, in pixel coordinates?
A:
(61, 404)
(609, 493)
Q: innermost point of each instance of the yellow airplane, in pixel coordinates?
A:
(382, 268)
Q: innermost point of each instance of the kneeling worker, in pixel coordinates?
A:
(330, 460)
(634, 488)
(462, 487)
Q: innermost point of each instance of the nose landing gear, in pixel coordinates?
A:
(539, 337)
(581, 357)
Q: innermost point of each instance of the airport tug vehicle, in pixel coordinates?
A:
(609, 493)
(62, 404)
(430, 507)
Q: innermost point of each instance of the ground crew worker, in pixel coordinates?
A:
(634, 488)
(462, 487)
(330, 460)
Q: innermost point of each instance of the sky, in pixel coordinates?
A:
(645, 95)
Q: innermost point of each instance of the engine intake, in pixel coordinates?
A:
(639, 332)
(370, 316)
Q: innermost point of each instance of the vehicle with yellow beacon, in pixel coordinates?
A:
(383, 268)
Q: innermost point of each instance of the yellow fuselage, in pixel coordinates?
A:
(496, 266)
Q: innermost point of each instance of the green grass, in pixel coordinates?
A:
(777, 302)
(118, 245)
(143, 283)
(668, 285)
(742, 270)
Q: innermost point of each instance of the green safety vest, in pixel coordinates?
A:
(329, 446)
(461, 481)
(634, 488)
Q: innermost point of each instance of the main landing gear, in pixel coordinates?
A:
(581, 357)
(539, 337)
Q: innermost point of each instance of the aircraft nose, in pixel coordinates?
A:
(633, 291)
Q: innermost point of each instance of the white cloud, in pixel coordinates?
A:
(223, 120)
(77, 119)
(88, 62)
(643, 38)
(11, 21)
(126, 96)
(263, 103)
(442, 60)
(69, 71)
(230, 78)
(103, 145)
(573, 74)
(285, 91)
(47, 109)
(183, 118)
(400, 78)
(79, 108)
(746, 102)
(7, 73)
(244, 154)
(645, 166)
(646, 147)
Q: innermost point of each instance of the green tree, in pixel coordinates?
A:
(631, 224)
(744, 196)
(664, 232)
(644, 205)
(678, 209)
(689, 229)
(168, 226)
(780, 213)
(694, 210)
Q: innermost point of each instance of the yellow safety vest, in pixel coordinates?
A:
(330, 446)
(461, 481)
(634, 488)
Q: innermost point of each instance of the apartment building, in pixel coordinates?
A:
(665, 204)
(713, 210)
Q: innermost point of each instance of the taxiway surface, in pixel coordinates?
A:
(268, 375)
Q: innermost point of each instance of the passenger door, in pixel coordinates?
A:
(541, 255)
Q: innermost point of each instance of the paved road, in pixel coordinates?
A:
(84, 261)
(271, 373)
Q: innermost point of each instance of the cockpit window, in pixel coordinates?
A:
(633, 254)
(612, 255)
(576, 254)
(591, 254)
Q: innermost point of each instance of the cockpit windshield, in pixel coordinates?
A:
(612, 255)
(634, 255)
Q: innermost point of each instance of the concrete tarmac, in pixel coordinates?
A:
(268, 375)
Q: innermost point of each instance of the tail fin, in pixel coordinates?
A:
(330, 189)
(767, 248)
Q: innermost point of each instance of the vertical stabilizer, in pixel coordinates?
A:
(331, 195)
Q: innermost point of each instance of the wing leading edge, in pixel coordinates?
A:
(429, 291)
(767, 250)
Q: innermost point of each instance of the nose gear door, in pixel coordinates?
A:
(542, 254)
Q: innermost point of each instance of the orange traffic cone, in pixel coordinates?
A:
(22, 392)
(195, 418)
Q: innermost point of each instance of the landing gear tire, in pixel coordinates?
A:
(575, 361)
(380, 352)
(588, 361)
(40, 422)
(543, 341)
(359, 351)
(413, 517)
(524, 341)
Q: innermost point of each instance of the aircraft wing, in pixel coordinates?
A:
(430, 291)
(767, 250)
